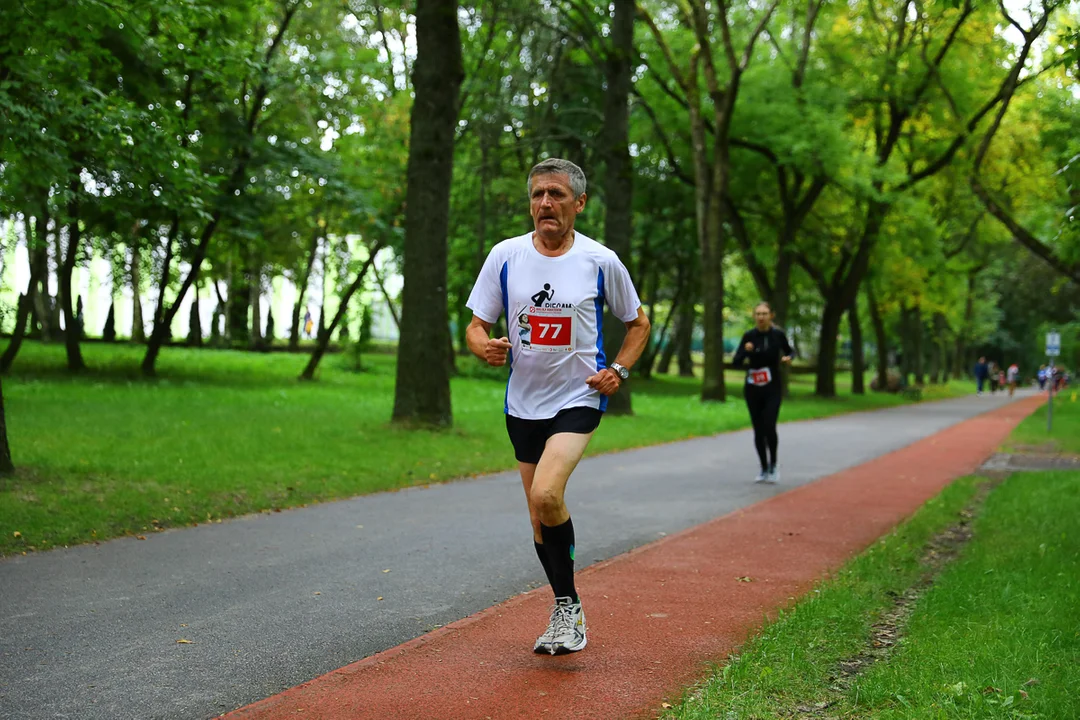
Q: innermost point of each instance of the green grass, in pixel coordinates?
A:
(1064, 435)
(996, 636)
(223, 433)
(1008, 613)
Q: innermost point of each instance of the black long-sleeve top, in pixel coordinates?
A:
(769, 347)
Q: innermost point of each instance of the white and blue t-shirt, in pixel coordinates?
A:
(554, 308)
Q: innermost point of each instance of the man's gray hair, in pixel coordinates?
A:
(558, 166)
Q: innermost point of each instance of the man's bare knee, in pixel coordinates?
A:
(545, 501)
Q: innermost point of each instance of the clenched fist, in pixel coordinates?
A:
(495, 351)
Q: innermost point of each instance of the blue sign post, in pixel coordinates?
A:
(1053, 349)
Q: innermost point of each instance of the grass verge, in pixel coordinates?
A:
(224, 433)
(1064, 435)
(996, 636)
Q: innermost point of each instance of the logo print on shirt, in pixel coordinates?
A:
(543, 296)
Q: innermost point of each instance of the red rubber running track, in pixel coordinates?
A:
(656, 615)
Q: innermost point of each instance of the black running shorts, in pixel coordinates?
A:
(530, 436)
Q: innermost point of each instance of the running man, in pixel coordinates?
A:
(1013, 376)
(559, 382)
(763, 348)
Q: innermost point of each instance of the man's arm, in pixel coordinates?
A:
(607, 381)
(490, 350)
(637, 337)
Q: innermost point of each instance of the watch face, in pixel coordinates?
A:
(621, 371)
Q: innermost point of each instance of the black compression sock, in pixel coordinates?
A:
(559, 544)
(542, 554)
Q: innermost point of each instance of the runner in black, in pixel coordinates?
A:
(763, 349)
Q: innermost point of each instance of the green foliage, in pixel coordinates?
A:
(147, 112)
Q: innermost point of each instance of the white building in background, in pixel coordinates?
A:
(93, 282)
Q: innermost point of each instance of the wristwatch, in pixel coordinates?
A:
(622, 372)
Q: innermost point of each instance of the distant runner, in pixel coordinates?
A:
(763, 348)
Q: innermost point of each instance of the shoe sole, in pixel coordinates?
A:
(566, 650)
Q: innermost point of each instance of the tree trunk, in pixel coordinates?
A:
(960, 366)
(618, 191)
(712, 277)
(255, 291)
(937, 355)
(34, 238)
(422, 385)
(781, 297)
(67, 268)
(138, 331)
(684, 339)
(481, 219)
(825, 383)
(39, 269)
(388, 299)
(881, 338)
(6, 466)
(195, 322)
(301, 290)
(905, 344)
(239, 302)
(663, 347)
(917, 345)
(22, 314)
(323, 339)
(857, 359)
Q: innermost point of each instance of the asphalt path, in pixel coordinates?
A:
(270, 601)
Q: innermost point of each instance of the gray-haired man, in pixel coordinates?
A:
(555, 283)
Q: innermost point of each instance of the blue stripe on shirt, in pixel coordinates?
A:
(601, 359)
(510, 354)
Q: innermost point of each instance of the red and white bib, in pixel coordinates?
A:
(759, 376)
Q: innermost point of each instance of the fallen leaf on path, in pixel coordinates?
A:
(379, 598)
(386, 570)
(182, 641)
(665, 705)
(140, 537)
(745, 578)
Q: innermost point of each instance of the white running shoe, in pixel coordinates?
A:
(567, 629)
(762, 477)
(545, 641)
(773, 476)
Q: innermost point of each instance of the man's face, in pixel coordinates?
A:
(552, 204)
(762, 316)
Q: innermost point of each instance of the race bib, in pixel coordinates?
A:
(547, 329)
(759, 377)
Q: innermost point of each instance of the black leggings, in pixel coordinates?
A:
(764, 406)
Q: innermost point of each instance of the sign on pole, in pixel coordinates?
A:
(1053, 344)
(1053, 349)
